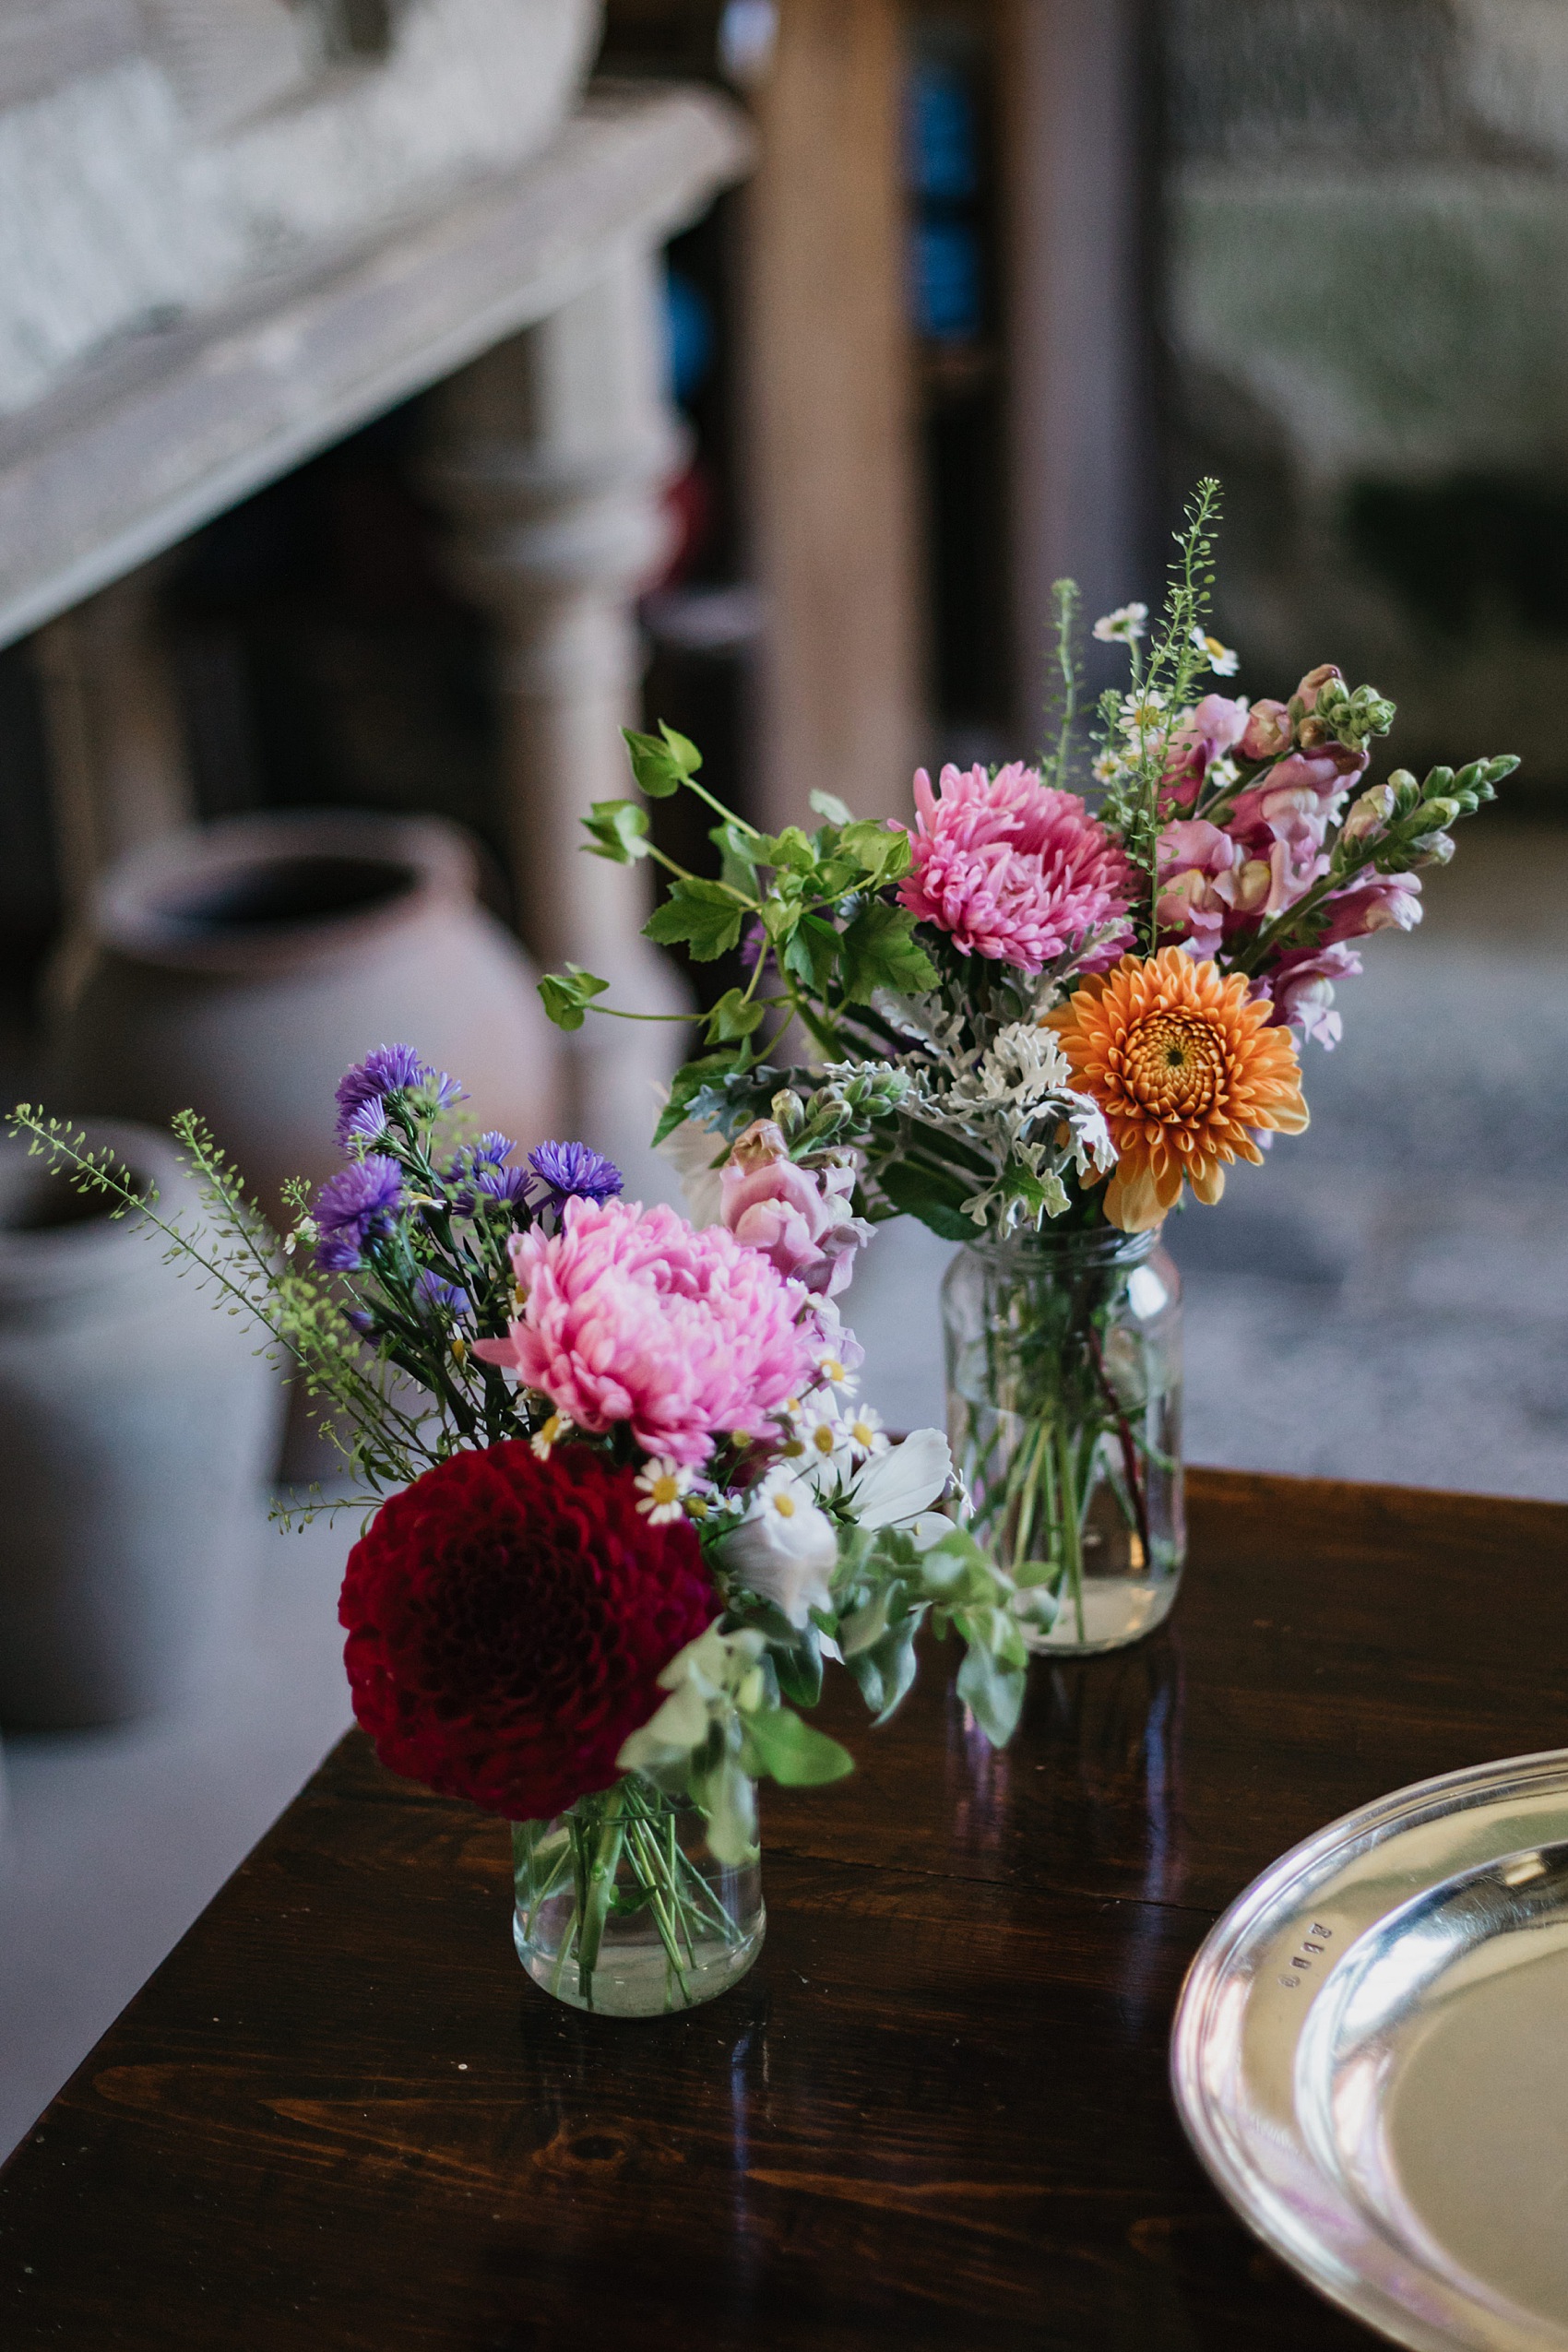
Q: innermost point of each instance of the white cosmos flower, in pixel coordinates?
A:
(785, 1549)
(904, 1482)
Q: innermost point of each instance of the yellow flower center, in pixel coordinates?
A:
(785, 1506)
(1174, 1066)
(822, 1438)
(666, 1490)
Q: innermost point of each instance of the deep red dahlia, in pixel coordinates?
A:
(508, 1621)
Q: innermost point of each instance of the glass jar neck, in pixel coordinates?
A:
(1100, 1245)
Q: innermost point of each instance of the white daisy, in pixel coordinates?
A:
(1124, 625)
(1222, 659)
(663, 1484)
(1140, 712)
(836, 1374)
(864, 1430)
(545, 1440)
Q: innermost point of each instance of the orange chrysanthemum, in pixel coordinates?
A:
(1185, 1069)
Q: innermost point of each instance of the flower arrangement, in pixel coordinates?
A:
(629, 1504)
(1063, 995)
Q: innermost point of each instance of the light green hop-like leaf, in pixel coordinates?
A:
(619, 829)
(662, 762)
(567, 994)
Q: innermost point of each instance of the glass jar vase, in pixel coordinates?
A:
(1065, 1415)
(621, 1906)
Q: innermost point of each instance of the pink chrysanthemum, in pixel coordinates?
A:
(630, 1314)
(1014, 870)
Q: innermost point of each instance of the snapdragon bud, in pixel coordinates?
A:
(1436, 813)
(1431, 849)
(1406, 790)
(1369, 816)
(788, 1110)
(1309, 692)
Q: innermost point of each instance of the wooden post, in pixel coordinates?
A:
(830, 415)
(116, 744)
(1080, 313)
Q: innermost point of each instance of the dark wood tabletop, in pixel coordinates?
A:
(935, 2113)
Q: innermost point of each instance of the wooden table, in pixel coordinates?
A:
(936, 2113)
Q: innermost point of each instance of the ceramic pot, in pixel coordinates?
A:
(136, 1428)
(240, 968)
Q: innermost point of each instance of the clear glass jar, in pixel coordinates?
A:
(1065, 1415)
(622, 1909)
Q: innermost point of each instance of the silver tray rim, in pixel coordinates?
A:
(1369, 2299)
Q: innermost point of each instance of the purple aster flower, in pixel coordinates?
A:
(493, 1148)
(445, 1298)
(354, 1208)
(364, 1325)
(391, 1069)
(502, 1183)
(447, 1092)
(365, 1125)
(574, 1171)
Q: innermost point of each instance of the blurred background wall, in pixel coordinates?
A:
(1009, 275)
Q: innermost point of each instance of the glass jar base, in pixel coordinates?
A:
(639, 1981)
(1116, 1610)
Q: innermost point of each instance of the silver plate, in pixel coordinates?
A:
(1370, 2058)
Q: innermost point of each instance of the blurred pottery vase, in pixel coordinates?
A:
(137, 1429)
(239, 968)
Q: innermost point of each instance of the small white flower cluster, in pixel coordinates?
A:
(786, 1549)
(1009, 1101)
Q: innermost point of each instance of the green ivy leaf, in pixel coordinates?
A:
(812, 952)
(734, 1015)
(792, 1753)
(702, 914)
(567, 994)
(881, 951)
(687, 1083)
(662, 762)
(618, 830)
(936, 1199)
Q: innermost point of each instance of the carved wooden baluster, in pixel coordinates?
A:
(551, 453)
